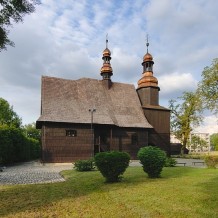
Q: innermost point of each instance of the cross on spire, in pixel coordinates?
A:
(147, 44)
(106, 40)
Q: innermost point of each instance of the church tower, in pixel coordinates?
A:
(148, 89)
(106, 70)
(157, 116)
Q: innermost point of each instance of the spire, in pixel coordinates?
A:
(147, 80)
(106, 70)
(148, 90)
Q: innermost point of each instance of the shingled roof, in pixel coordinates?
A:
(69, 101)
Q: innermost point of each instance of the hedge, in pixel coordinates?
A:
(16, 147)
(211, 161)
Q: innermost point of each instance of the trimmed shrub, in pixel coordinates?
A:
(170, 162)
(152, 160)
(84, 165)
(211, 161)
(112, 164)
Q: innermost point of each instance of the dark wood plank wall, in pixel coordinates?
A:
(123, 140)
(148, 96)
(57, 147)
(160, 135)
(159, 119)
(120, 139)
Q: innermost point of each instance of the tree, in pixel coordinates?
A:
(185, 116)
(198, 142)
(208, 86)
(214, 141)
(8, 116)
(13, 11)
(31, 131)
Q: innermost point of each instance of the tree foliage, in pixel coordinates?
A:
(16, 143)
(208, 86)
(7, 115)
(31, 131)
(214, 141)
(185, 116)
(13, 11)
(198, 142)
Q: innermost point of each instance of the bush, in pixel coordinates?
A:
(84, 165)
(112, 164)
(170, 162)
(16, 147)
(152, 160)
(211, 161)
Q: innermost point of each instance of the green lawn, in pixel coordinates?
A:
(181, 192)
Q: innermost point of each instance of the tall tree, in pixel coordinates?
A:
(208, 86)
(214, 141)
(8, 116)
(185, 116)
(13, 11)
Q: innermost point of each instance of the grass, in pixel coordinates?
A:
(181, 192)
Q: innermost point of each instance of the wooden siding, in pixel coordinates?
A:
(148, 95)
(120, 139)
(161, 140)
(159, 119)
(160, 135)
(57, 147)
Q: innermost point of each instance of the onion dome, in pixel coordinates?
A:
(148, 80)
(147, 57)
(106, 69)
(106, 52)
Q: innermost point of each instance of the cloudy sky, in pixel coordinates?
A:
(65, 39)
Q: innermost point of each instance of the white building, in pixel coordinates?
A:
(198, 147)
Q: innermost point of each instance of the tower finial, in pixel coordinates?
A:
(106, 40)
(147, 44)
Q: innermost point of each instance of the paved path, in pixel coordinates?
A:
(32, 173)
(35, 172)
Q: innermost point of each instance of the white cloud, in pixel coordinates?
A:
(66, 39)
(210, 125)
(176, 83)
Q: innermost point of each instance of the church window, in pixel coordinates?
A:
(71, 133)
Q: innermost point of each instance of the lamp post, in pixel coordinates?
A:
(92, 110)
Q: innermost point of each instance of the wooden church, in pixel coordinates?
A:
(80, 118)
